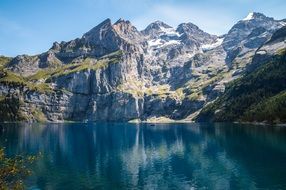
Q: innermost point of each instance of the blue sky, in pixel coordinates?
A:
(31, 26)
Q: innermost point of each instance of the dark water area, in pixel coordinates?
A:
(143, 156)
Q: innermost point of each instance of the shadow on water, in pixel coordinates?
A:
(164, 156)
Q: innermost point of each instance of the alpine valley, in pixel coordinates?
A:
(161, 74)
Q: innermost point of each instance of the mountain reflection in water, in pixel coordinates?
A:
(141, 156)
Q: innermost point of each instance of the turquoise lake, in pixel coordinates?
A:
(145, 156)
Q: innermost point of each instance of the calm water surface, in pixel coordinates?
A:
(130, 156)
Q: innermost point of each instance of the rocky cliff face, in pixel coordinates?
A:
(260, 94)
(116, 73)
(247, 35)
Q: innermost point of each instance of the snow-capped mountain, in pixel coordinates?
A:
(115, 72)
(249, 34)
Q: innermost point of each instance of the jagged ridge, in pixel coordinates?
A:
(115, 72)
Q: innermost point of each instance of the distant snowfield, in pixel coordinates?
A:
(159, 43)
(169, 31)
(250, 16)
(206, 47)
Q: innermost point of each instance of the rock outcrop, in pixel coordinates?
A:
(116, 73)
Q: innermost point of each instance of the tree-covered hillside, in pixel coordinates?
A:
(258, 96)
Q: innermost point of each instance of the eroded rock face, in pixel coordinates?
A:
(248, 35)
(116, 73)
(25, 65)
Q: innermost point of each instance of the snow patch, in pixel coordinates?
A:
(159, 43)
(155, 42)
(283, 23)
(172, 42)
(169, 31)
(218, 42)
(250, 16)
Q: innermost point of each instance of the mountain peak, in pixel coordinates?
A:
(156, 28)
(188, 28)
(157, 25)
(190, 32)
(94, 31)
(161, 23)
(124, 26)
(254, 15)
(127, 31)
(188, 25)
(119, 21)
(250, 16)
